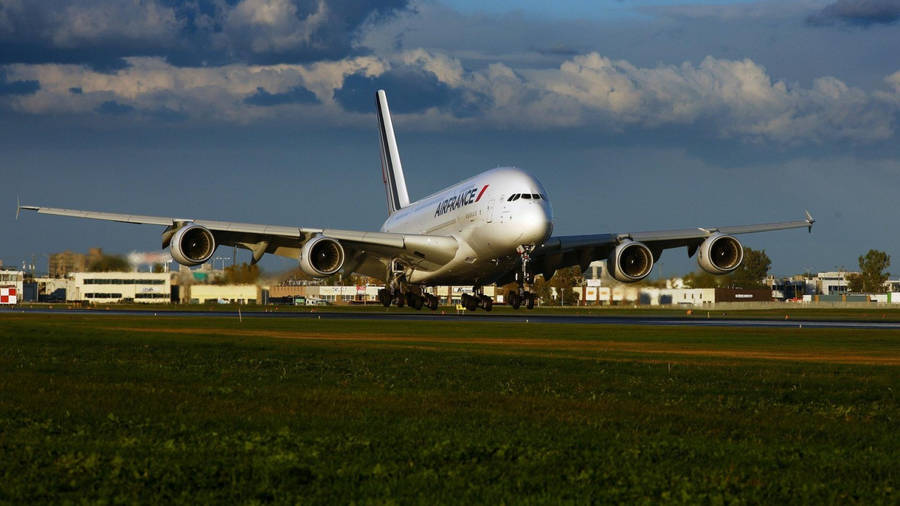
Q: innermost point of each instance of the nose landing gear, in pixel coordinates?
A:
(521, 295)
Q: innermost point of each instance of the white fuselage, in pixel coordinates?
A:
(488, 226)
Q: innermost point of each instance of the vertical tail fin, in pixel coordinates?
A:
(391, 169)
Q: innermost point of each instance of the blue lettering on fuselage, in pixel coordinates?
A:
(455, 202)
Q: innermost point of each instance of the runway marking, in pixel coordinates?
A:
(838, 357)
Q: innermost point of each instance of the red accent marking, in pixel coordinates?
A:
(12, 291)
(481, 193)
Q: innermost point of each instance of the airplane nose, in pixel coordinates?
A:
(538, 224)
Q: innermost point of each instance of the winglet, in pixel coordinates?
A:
(19, 207)
(810, 220)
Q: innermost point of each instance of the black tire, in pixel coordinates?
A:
(384, 297)
(417, 301)
(529, 300)
(488, 303)
(431, 302)
(471, 303)
(514, 300)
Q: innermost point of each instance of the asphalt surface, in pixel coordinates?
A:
(523, 317)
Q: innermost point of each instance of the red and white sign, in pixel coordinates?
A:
(8, 296)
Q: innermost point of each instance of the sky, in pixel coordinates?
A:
(635, 115)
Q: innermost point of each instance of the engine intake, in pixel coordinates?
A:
(630, 262)
(192, 245)
(321, 256)
(720, 254)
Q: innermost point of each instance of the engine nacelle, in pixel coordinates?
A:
(630, 261)
(192, 245)
(720, 254)
(321, 256)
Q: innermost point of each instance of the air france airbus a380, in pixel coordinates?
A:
(492, 228)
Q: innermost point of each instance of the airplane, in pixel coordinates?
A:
(492, 228)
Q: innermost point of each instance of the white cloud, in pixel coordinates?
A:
(448, 70)
(735, 98)
(274, 25)
(209, 93)
(724, 98)
(88, 22)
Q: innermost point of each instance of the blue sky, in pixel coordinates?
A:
(636, 115)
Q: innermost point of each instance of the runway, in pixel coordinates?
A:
(523, 317)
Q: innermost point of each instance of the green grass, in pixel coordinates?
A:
(160, 410)
(792, 311)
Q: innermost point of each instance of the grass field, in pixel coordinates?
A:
(152, 409)
(787, 310)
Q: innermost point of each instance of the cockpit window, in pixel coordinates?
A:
(544, 196)
(512, 197)
(535, 196)
(526, 195)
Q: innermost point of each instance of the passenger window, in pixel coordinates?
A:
(526, 195)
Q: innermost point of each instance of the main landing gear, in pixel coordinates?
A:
(477, 300)
(389, 295)
(521, 295)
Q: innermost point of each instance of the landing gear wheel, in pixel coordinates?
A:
(529, 298)
(487, 303)
(401, 300)
(415, 301)
(514, 300)
(470, 302)
(432, 302)
(384, 298)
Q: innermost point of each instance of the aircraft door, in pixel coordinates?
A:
(489, 212)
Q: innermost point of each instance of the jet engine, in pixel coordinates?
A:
(630, 261)
(321, 256)
(720, 254)
(192, 245)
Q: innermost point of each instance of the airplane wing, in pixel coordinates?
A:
(365, 251)
(565, 251)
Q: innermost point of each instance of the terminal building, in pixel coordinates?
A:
(107, 287)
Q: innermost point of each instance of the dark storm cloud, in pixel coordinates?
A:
(858, 12)
(296, 95)
(415, 90)
(419, 91)
(17, 87)
(296, 31)
(167, 115)
(113, 108)
(185, 32)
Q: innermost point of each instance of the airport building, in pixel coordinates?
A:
(11, 283)
(625, 294)
(224, 294)
(107, 287)
(833, 283)
(52, 289)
